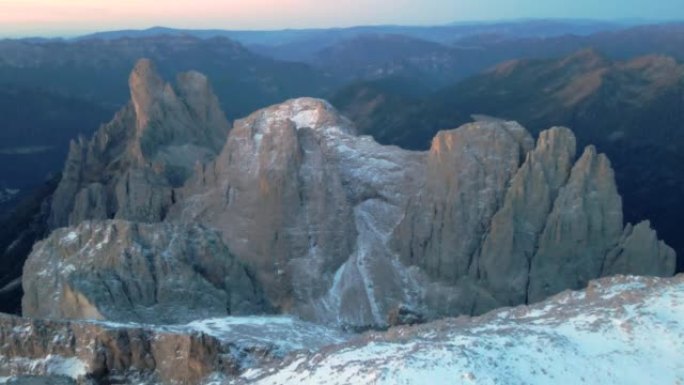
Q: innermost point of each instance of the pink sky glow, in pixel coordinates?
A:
(81, 15)
(65, 17)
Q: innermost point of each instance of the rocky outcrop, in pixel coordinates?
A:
(302, 200)
(86, 350)
(334, 227)
(340, 229)
(128, 169)
(581, 229)
(468, 171)
(123, 271)
(646, 254)
(56, 351)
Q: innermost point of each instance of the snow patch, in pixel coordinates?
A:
(51, 365)
(306, 118)
(70, 367)
(70, 238)
(280, 334)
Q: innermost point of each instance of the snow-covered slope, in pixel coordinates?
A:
(278, 335)
(621, 330)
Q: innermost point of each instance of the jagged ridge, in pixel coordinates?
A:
(339, 229)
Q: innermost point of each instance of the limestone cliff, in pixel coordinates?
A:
(340, 229)
(332, 226)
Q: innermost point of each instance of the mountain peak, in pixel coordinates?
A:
(193, 80)
(146, 86)
(145, 76)
(188, 113)
(153, 144)
(304, 112)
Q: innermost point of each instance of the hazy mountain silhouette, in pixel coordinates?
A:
(36, 129)
(97, 70)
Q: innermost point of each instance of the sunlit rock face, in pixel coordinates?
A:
(334, 227)
(309, 207)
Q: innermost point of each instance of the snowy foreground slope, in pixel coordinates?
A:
(621, 330)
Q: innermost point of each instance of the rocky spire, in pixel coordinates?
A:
(147, 90)
(507, 250)
(129, 167)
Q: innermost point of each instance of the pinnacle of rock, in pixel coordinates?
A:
(130, 166)
(506, 254)
(146, 87)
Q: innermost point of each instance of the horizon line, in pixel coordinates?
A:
(74, 34)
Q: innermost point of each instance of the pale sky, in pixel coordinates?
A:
(68, 17)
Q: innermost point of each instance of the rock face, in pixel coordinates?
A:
(128, 169)
(329, 225)
(340, 229)
(81, 350)
(508, 249)
(306, 204)
(123, 271)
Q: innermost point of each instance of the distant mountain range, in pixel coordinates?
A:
(250, 69)
(95, 69)
(438, 33)
(449, 51)
(435, 65)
